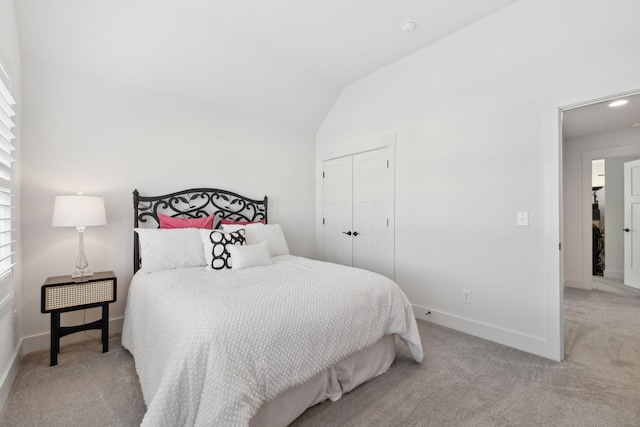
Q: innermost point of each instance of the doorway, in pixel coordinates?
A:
(609, 135)
(591, 133)
(598, 213)
(612, 235)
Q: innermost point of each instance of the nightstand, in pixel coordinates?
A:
(64, 293)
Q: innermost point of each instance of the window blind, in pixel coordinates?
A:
(6, 201)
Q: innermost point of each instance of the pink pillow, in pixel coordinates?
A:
(224, 221)
(171, 222)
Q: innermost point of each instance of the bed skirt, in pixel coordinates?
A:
(331, 383)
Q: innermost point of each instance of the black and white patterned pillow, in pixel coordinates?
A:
(216, 247)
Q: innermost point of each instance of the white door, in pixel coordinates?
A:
(373, 209)
(358, 213)
(632, 223)
(337, 213)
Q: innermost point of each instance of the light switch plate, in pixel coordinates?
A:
(523, 218)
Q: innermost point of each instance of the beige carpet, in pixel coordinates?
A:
(87, 388)
(464, 381)
(614, 286)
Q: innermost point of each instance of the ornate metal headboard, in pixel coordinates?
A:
(194, 203)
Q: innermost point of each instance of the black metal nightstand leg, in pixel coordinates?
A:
(105, 328)
(55, 338)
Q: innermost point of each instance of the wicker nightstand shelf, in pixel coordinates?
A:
(63, 293)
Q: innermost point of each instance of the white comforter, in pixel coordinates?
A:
(211, 346)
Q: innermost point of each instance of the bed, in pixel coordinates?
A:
(257, 343)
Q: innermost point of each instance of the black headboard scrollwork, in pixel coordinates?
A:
(194, 203)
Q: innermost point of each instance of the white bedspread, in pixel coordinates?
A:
(211, 346)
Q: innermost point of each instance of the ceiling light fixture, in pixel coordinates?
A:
(408, 26)
(618, 103)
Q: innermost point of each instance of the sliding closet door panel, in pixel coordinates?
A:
(373, 211)
(338, 215)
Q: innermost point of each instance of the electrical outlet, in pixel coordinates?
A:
(466, 296)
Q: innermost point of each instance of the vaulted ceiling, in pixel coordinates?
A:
(280, 60)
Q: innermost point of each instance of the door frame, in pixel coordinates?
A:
(587, 157)
(553, 270)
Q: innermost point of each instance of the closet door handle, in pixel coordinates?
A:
(626, 230)
(355, 233)
(348, 233)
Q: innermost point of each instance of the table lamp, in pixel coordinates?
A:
(79, 211)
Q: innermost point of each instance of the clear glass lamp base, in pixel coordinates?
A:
(82, 273)
(82, 265)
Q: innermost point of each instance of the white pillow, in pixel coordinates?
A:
(164, 249)
(217, 245)
(250, 256)
(257, 233)
(275, 239)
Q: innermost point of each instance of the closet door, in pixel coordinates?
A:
(359, 211)
(373, 211)
(338, 214)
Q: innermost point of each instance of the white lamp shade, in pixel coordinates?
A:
(78, 211)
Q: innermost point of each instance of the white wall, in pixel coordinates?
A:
(476, 119)
(105, 138)
(577, 156)
(9, 340)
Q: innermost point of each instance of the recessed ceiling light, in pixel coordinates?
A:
(618, 103)
(408, 26)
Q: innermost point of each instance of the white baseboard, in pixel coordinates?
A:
(575, 283)
(528, 343)
(9, 376)
(613, 274)
(43, 341)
